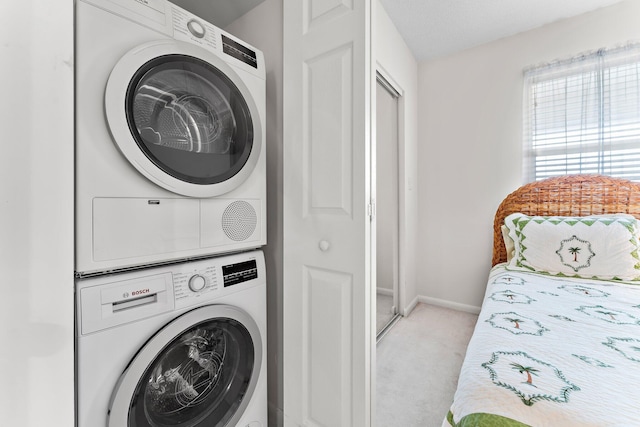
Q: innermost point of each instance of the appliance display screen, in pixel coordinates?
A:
(238, 51)
(240, 272)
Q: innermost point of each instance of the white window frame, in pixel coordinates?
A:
(582, 115)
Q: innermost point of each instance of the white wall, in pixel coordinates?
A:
(397, 64)
(470, 133)
(36, 214)
(262, 27)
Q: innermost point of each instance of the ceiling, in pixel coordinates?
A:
(435, 28)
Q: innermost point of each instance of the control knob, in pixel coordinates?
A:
(196, 28)
(197, 283)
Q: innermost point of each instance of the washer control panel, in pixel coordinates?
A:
(194, 283)
(197, 283)
(233, 274)
(111, 300)
(203, 279)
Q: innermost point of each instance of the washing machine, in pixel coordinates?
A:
(175, 345)
(170, 134)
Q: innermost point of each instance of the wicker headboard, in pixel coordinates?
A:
(570, 195)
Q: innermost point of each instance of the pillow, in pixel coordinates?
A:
(510, 247)
(593, 247)
(508, 242)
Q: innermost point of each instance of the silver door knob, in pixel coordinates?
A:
(324, 245)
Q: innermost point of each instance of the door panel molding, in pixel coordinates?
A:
(327, 345)
(328, 127)
(329, 336)
(319, 11)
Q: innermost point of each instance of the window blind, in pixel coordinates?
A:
(582, 115)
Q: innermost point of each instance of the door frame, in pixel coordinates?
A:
(391, 84)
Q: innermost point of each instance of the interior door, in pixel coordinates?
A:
(328, 326)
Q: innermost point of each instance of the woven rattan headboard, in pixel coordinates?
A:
(570, 195)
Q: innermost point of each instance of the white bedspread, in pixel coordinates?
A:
(552, 352)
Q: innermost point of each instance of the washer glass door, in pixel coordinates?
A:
(200, 375)
(189, 119)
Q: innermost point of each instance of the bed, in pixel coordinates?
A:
(557, 342)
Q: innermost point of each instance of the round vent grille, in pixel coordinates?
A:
(239, 220)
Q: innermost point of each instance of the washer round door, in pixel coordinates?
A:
(183, 118)
(199, 370)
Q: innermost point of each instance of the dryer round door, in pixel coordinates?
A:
(199, 370)
(183, 118)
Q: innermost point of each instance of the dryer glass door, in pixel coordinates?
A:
(201, 378)
(189, 119)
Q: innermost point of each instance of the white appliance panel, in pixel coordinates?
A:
(107, 184)
(108, 345)
(129, 228)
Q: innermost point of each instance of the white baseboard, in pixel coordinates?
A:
(384, 291)
(408, 309)
(449, 304)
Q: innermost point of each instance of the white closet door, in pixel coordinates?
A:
(328, 336)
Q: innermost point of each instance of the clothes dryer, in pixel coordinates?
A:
(170, 159)
(176, 345)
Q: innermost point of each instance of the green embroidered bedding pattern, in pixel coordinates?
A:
(551, 351)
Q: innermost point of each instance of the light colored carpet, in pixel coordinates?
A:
(418, 363)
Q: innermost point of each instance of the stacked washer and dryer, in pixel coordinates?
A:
(170, 216)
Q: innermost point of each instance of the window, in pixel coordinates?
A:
(582, 115)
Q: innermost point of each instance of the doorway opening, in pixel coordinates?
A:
(387, 191)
